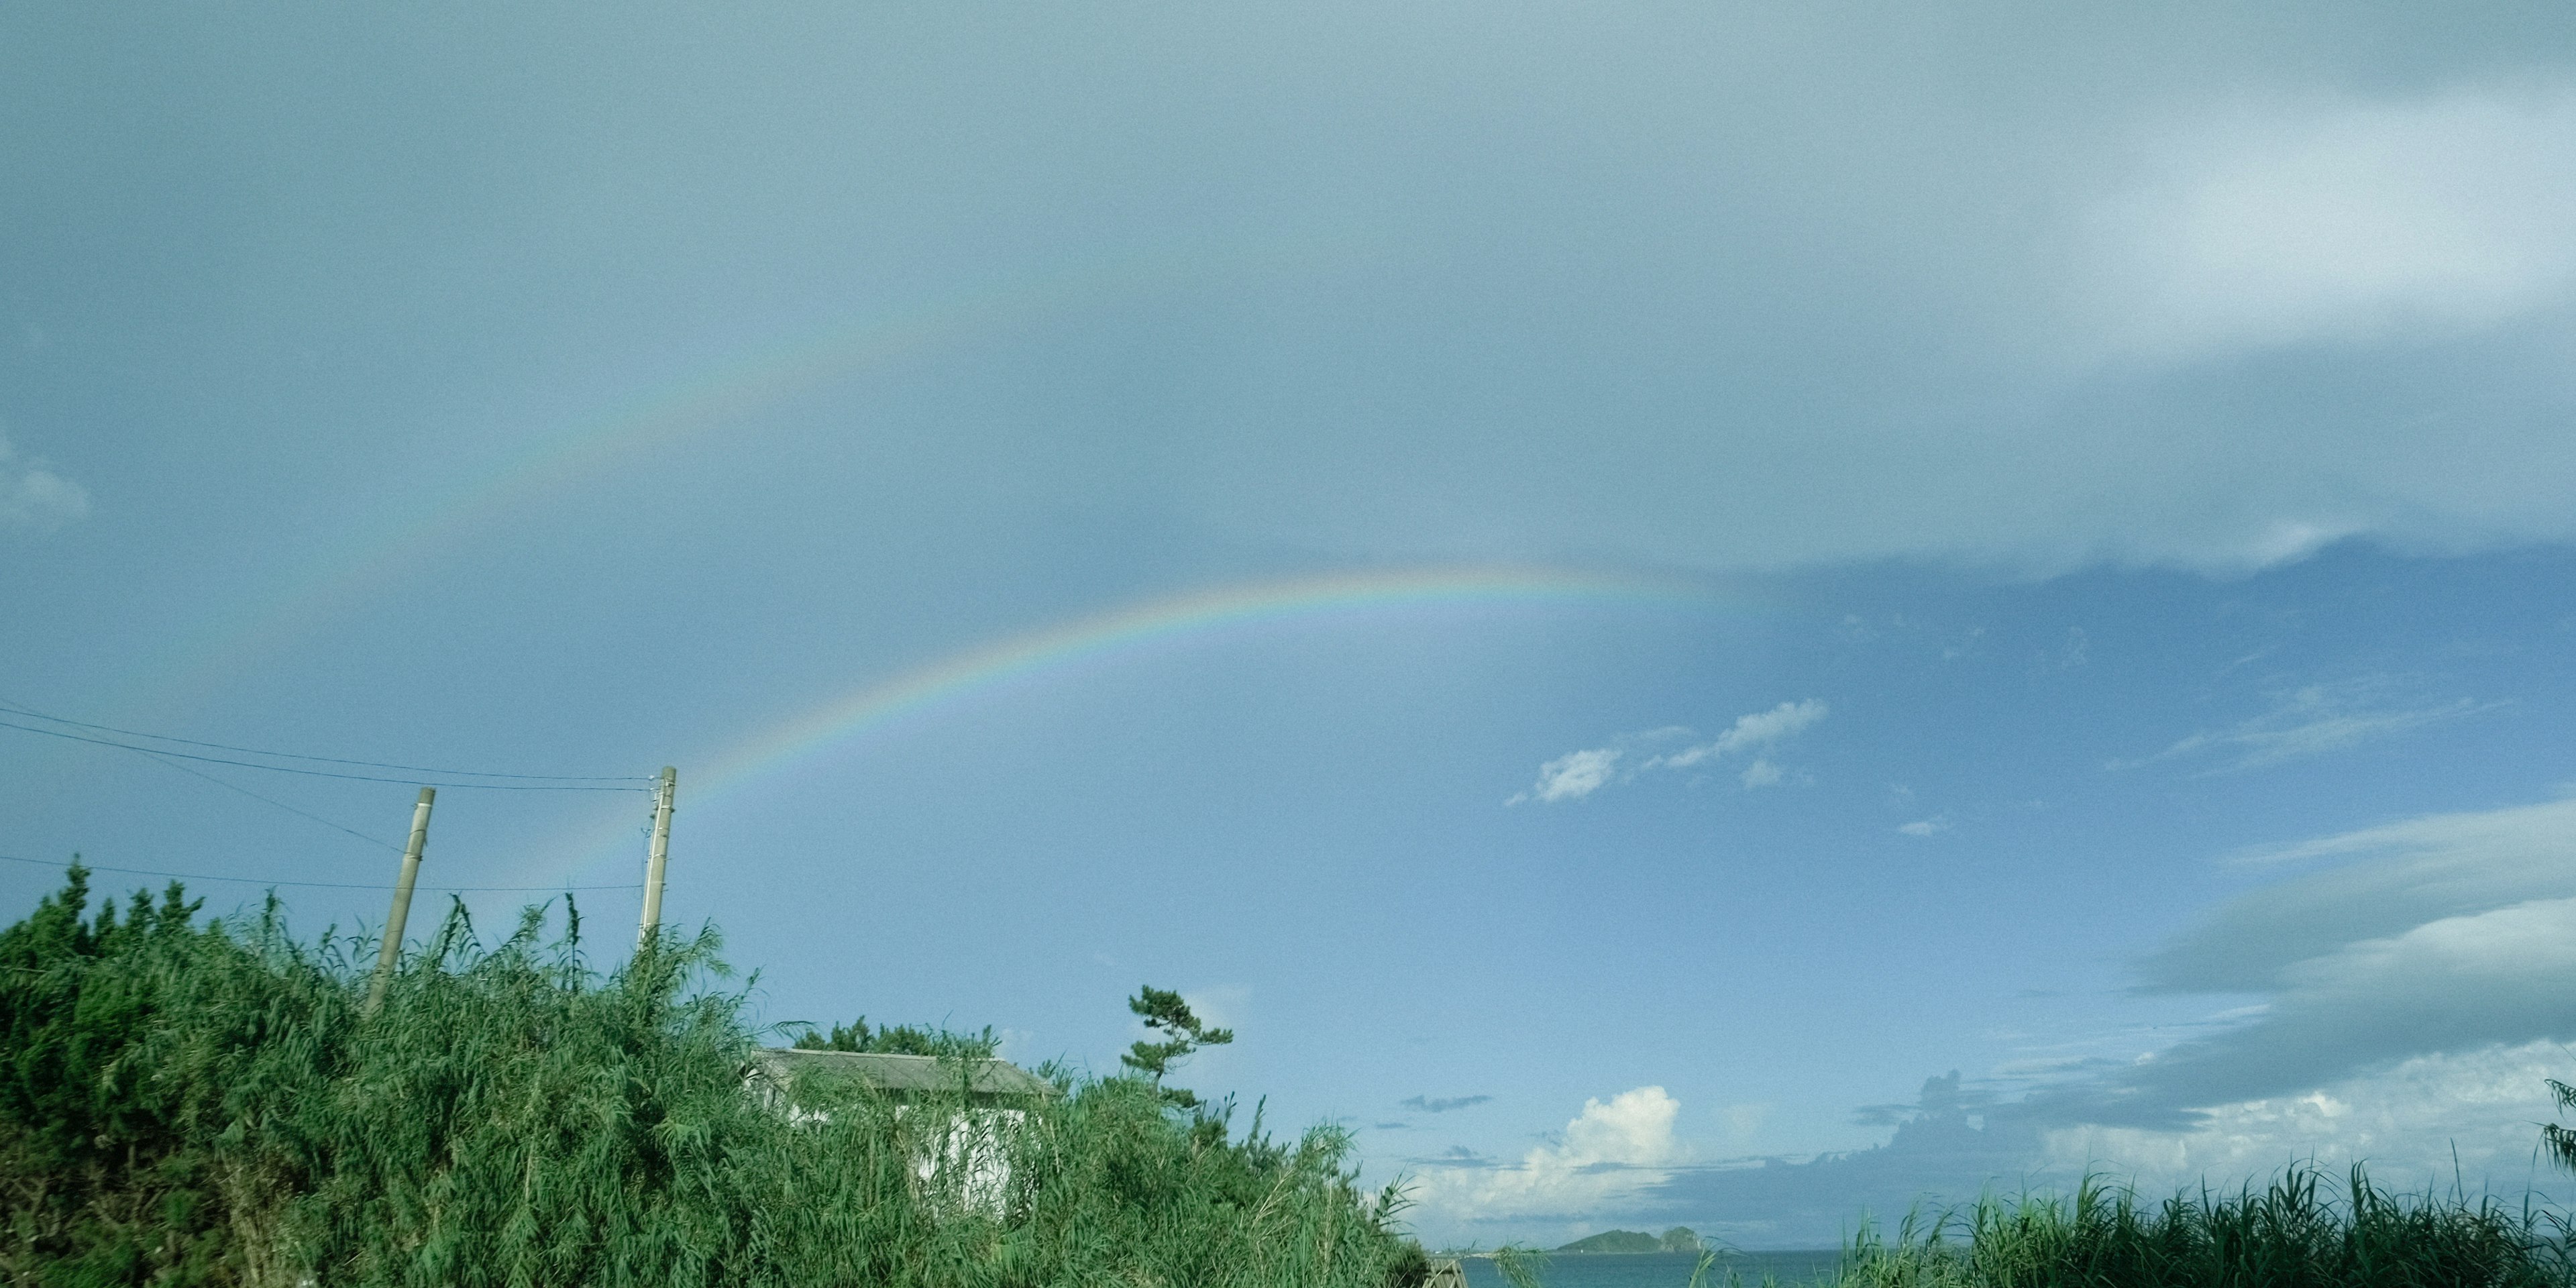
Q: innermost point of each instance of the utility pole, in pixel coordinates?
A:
(392, 948)
(659, 856)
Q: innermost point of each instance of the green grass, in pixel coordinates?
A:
(2299, 1232)
(209, 1103)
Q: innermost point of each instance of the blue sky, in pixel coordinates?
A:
(2102, 480)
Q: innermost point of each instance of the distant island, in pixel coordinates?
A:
(1677, 1239)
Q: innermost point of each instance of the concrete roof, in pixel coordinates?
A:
(904, 1077)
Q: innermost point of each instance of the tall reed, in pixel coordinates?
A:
(209, 1103)
(2298, 1232)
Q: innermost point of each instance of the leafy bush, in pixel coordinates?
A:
(210, 1103)
(100, 1179)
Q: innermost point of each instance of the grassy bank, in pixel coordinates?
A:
(195, 1102)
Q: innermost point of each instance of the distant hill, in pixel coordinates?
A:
(1677, 1239)
(1615, 1241)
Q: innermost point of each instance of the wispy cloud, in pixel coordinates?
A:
(1749, 732)
(1578, 774)
(1572, 776)
(1932, 826)
(33, 496)
(1442, 1104)
(2310, 721)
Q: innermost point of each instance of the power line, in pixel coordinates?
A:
(326, 760)
(315, 773)
(236, 787)
(317, 885)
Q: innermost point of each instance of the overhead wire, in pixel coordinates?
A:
(377, 841)
(319, 885)
(165, 756)
(320, 773)
(326, 760)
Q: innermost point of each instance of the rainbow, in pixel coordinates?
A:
(1051, 653)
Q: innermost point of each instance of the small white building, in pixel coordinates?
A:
(968, 1148)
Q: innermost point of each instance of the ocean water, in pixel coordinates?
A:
(1666, 1269)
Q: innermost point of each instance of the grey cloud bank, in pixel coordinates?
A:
(2373, 885)
(2441, 936)
(1725, 289)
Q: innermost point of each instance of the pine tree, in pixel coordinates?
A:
(1183, 1033)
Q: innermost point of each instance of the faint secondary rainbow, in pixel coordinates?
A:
(1056, 651)
(343, 573)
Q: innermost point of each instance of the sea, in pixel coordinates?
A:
(1667, 1269)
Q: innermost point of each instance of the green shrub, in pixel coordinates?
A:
(210, 1104)
(100, 1177)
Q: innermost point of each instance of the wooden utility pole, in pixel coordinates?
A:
(659, 856)
(392, 948)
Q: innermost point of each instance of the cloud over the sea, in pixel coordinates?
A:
(2435, 936)
(2407, 1005)
(1608, 1154)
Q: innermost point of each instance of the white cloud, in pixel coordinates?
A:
(1609, 1153)
(1572, 777)
(33, 496)
(2341, 221)
(2310, 721)
(1926, 826)
(1763, 728)
(1750, 732)
(1579, 774)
